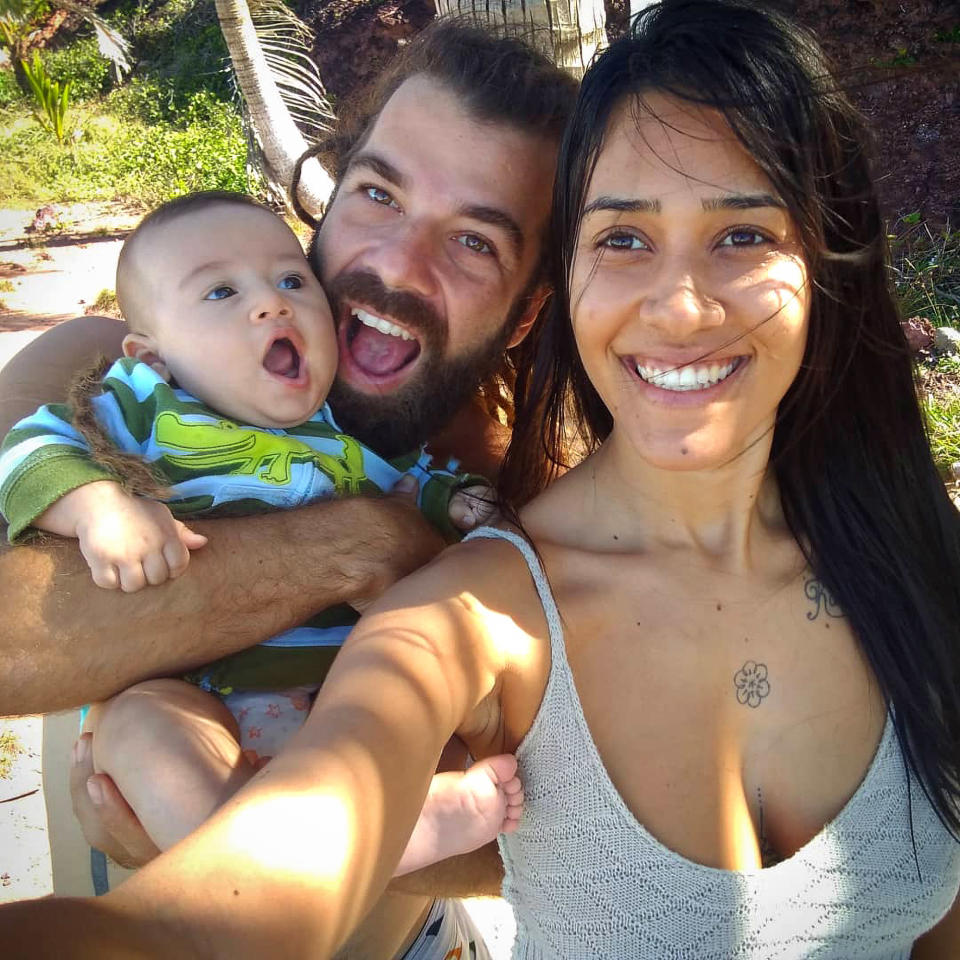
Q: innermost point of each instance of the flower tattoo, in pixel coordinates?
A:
(751, 683)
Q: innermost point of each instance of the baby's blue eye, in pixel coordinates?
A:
(292, 282)
(220, 293)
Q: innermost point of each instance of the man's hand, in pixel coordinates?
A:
(105, 817)
(128, 542)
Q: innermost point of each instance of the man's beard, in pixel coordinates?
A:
(395, 423)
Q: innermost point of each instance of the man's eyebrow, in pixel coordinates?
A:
(497, 218)
(378, 165)
(742, 201)
(622, 205)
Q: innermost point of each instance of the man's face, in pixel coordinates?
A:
(427, 253)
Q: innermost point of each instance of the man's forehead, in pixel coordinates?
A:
(431, 139)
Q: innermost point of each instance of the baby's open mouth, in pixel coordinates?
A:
(282, 359)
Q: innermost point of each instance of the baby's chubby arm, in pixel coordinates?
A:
(128, 542)
(473, 506)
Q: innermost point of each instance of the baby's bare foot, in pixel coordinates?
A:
(463, 811)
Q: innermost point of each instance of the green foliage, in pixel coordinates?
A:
(80, 63)
(10, 749)
(121, 157)
(926, 273)
(10, 91)
(944, 35)
(902, 58)
(942, 412)
(52, 98)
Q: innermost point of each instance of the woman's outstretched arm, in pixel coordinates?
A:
(294, 860)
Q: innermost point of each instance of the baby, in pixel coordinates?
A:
(221, 394)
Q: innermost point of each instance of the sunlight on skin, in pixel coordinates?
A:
(271, 832)
(740, 849)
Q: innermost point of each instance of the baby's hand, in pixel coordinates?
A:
(128, 542)
(472, 507)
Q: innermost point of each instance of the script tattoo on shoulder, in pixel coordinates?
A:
(821, 598)
(751, 683)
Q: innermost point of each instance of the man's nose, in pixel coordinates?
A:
(677, 302)
(405, 258)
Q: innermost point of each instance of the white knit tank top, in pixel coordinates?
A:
(586, 880)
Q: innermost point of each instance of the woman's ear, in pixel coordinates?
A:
(142, 347)
(535, 303)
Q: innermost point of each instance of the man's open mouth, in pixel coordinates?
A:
(378, 346)
(283, 359)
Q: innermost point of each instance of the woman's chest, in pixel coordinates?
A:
(733, 727)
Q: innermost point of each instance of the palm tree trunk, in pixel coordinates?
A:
(280, 140)
(571, 30)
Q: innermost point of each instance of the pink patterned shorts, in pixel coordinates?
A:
(268, 718)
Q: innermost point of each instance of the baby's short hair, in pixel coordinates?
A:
(189, 203)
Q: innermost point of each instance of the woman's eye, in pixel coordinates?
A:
(743, 238)
(381, 196)
(623, 241)
(472, 242)
(292, 282)
(220, 293)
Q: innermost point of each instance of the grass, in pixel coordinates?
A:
(111, 155)
(10, 749)
(926, 273)
(105, 304)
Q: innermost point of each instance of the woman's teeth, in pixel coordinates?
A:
(384, 326)
(689, 377)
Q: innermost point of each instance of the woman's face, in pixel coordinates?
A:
(689, 293)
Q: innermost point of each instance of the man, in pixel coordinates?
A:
(431, 250)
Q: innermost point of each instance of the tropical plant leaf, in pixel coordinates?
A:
(286, 43)
(112, 45)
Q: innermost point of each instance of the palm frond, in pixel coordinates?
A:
(111, 44)
(286, 42)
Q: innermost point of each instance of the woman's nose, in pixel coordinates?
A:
(676, 301)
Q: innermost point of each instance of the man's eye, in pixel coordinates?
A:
(743, 238)
(220, 293)
(292, 282)
(623, 241)
(472, 242)
(381, 196)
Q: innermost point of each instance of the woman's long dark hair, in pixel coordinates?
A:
(858, 485)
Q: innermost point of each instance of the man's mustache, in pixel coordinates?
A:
(406, 308)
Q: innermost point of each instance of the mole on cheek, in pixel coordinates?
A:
(683, 451)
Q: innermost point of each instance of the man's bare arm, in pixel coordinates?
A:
(65, 641)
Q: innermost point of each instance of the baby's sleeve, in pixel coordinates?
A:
(44, 457)
(437, 488)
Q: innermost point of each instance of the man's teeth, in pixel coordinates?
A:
(384, 326)
(687, 378)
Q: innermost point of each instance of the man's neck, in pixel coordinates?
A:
(474, 438)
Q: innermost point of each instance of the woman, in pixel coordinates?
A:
(734, 695)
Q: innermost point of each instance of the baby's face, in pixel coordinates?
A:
(237, 316)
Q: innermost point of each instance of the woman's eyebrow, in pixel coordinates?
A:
(742, 201)
(622, 205)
